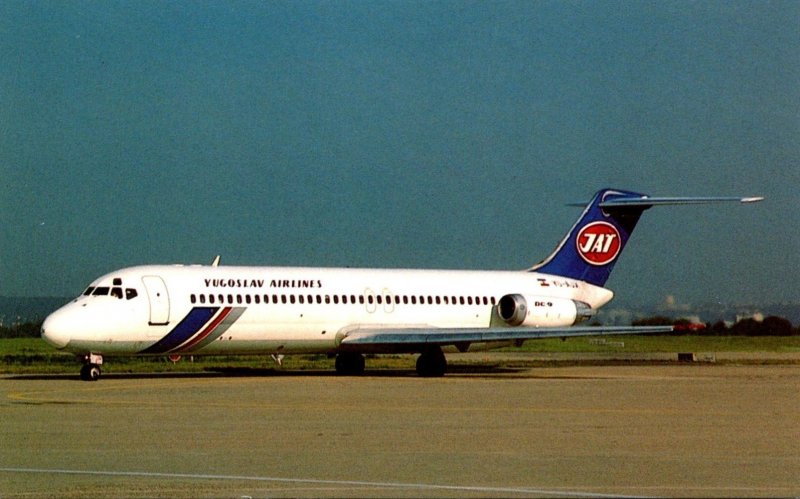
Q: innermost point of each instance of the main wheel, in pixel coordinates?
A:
(431, 363)
(350, 364)
(90, 372)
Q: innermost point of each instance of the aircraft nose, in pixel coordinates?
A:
(54, 330)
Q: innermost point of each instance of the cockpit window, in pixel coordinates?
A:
(116, 293)
(100, 291)
(88, 291)
(130, 293)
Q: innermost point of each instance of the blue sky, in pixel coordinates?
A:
(434, 134)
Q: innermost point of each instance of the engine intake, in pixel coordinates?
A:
(542, 311)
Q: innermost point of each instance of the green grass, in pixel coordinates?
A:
(664, 344)
(33, 355)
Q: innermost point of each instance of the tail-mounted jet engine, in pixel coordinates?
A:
(542, 311)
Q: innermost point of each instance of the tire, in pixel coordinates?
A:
(431, 364)
(90, 372)
(350, 364)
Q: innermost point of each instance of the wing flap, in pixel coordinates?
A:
(394, 336)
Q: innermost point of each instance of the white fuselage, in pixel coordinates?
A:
(202, 310)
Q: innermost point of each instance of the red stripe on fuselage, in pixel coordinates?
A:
(208, 330)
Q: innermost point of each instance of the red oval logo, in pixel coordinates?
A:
(598, 243)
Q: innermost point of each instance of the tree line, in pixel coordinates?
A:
(21, 330)
(770, 326)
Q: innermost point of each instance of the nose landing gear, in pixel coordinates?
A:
(91, 367)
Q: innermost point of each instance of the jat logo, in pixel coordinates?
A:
(598, 243)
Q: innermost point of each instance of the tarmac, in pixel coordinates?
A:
(698, 429)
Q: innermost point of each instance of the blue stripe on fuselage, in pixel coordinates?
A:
(188, 327)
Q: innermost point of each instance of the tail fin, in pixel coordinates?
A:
(591, 248)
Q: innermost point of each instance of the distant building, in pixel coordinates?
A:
(756, 316)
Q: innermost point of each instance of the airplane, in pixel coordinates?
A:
(172, 310)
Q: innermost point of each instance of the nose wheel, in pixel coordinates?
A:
(90, 372)
(91, 367)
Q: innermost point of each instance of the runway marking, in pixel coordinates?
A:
(312, 481)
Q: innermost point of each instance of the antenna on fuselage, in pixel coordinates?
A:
(215, 263)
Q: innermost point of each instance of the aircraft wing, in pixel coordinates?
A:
(372, 336)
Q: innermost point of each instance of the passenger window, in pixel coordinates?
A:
(257, 299)
(202, 298)
(130, 293)
(210, 298)
(247, 299)
(193, 298)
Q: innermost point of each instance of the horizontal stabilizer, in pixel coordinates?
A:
(646, 201)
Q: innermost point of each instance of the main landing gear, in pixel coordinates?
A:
(431, 363)
(91, 367)
(350, 364)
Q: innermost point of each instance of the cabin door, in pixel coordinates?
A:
(159, 300)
